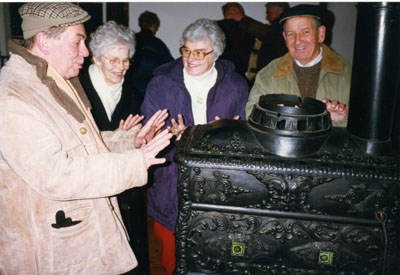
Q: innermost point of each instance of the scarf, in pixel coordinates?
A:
(198, 88)
(110, 95)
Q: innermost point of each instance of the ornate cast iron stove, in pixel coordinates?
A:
(287, 193)
(246, 210)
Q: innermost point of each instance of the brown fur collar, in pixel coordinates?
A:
(330, 63)
(41, 70)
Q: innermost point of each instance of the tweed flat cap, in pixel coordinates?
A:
(37, 17)
(302, 10)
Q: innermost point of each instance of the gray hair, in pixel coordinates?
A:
(111, 35)
(205, 29)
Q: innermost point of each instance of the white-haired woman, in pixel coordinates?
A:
(116, 104)
(195, 89)
(112, 98)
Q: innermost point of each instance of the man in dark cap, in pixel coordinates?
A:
(309, 69)
(58, 173)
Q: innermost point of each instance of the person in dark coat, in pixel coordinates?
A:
(150, 51)
(239, 43)
(270, 35)
(114, 101)
(129, 103)
(196, 89)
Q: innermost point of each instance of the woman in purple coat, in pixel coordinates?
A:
(196, 89)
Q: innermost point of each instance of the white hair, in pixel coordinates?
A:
(205, 29)
(111, 35)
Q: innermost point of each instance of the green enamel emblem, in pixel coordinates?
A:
(238, 249)
(325, 257)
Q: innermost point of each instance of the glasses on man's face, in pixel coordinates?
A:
(116, 61)
(197, 54)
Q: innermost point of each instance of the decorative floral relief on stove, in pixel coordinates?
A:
(346, 154)
(344, 157)
(287, 192)
(211, 235)
(360, 199)
(234, 145)
(218, 189)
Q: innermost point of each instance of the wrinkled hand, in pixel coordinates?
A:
(151, 128)
(235, 118)
(151, 149)
(338, 111)
(131, 122)
(177, 128)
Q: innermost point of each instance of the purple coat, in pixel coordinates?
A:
(226, 99)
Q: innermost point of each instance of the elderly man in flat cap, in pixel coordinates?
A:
(58, 174)
(309, 69)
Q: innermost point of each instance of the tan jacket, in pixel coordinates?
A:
(278, 77)
(49, 162)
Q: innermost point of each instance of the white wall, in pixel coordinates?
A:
(344, 28)
(176, 16)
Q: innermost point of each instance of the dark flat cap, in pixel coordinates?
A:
(302, 10)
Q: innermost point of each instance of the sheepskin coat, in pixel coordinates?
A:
(58, 211)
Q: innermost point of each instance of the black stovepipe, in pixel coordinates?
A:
(375, 75)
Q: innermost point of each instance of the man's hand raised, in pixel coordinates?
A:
(151, 149)
(151, 128)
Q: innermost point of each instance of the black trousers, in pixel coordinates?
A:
(133, 210)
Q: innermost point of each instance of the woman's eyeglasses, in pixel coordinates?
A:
(116, 61)
(197, 54)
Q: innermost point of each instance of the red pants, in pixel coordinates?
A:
(167, 241)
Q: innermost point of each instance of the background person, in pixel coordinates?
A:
(270, 44)
(239, 43)
(116, 103)
(150, 53)
(309, 69)
(196, 89)
(58, 173)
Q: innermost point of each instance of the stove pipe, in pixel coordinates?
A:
(376, 68)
